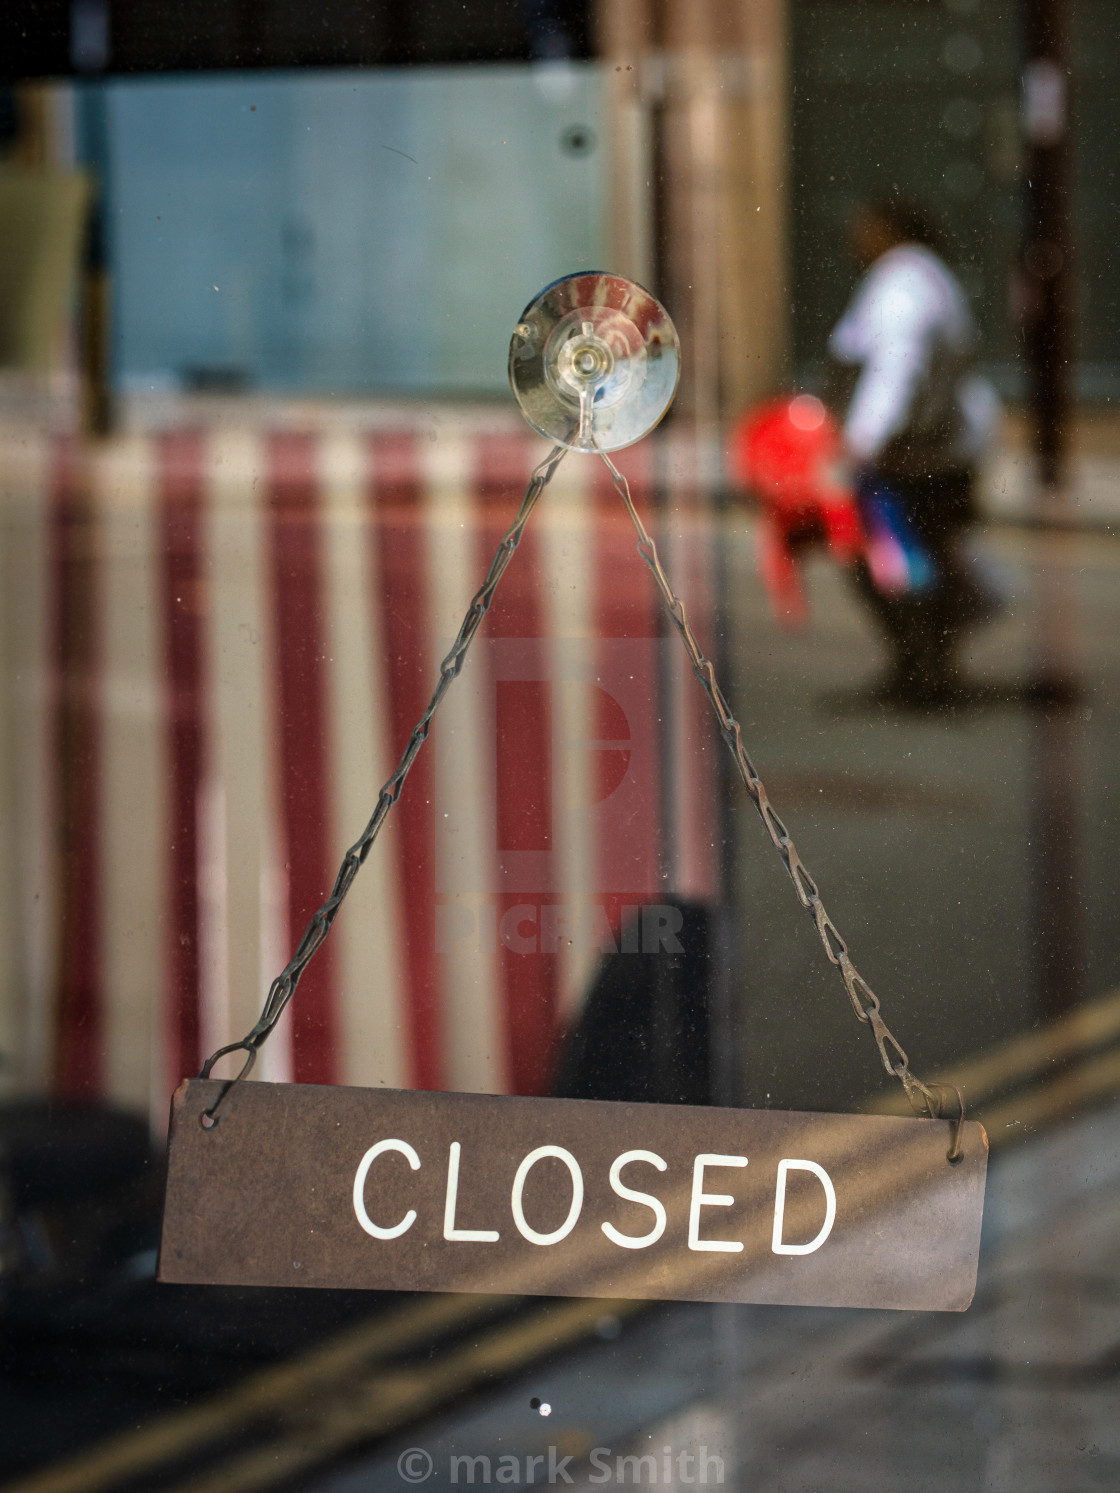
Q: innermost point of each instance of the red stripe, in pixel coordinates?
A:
(181, 543)
(523, 714)
(523, 761)
(400, 586)
(625, 606)
(75, 648)
(700, 745)
(295, 543)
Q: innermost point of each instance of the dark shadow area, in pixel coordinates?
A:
(89, 1343)
(644, 1033)
(1044, 695)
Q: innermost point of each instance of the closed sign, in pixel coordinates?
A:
(409, 1190)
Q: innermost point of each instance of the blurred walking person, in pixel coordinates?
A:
(916, 420)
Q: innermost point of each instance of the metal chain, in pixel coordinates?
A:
(284, 986)
(924, 1098)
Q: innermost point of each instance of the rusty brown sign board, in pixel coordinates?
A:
(414, 1191)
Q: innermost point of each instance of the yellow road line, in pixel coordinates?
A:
(1027, 1057)
(264, 1394)
(392, 1399)
(1062, 1096)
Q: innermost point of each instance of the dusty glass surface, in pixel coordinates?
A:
(260, 267)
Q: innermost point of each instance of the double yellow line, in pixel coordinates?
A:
(360, 1385)
(1041, 1076)
(303, 1412)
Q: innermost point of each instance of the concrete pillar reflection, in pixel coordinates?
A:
(699, 170)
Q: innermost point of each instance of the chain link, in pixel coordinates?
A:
(924, 1098)
(284, 986)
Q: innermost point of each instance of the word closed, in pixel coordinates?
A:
(407, 1190)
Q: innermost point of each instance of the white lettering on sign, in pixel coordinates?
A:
(476, 1236)
(699, 1199)
(655, 1205)
(784, 1167)
(574, 1211)
(360, 1176)
(702, 1199)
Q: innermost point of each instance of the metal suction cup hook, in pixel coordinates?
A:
(594, 362)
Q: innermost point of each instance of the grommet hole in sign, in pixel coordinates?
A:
(405, 1190)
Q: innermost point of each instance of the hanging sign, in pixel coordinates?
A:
(299, 1185)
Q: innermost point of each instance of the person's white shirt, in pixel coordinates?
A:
(909, 329)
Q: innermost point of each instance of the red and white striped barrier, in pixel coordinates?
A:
(216, 641)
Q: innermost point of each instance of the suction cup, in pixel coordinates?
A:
(594, 362)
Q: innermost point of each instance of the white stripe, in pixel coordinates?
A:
(10, 938)
(242, 679)
(474, 1035)
(368, 929)
(26, 806)
(133, 809)
(565, 518)
(275, 947)
(696, 742)
(215, 1016)
(677, 675)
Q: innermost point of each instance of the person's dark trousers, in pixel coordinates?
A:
(923, 628)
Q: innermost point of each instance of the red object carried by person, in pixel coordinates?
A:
(787, 454)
